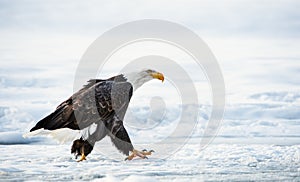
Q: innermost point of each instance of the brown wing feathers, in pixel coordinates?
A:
(99, 101)
(62, 117)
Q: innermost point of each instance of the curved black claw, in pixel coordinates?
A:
(145, 157)
(145, 150)
(126, 159)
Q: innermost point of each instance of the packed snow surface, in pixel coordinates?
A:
(217, 162)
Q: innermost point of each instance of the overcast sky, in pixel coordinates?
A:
(219, 18)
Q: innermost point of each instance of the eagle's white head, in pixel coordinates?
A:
(137, 79)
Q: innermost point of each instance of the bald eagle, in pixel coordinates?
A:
(101, 104)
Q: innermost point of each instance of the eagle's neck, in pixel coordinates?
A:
(137, 79)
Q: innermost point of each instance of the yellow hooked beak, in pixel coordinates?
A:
(158, 75)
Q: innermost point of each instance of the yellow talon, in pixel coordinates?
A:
(82, 158)
(145, 152)
(141, 154)
(130, 157)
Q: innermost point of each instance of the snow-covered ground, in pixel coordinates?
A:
(244, 149)
(217, 162)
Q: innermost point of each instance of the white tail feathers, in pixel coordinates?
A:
(63, 135)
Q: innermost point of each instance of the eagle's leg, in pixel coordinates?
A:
(142, 154)
(81, 148)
